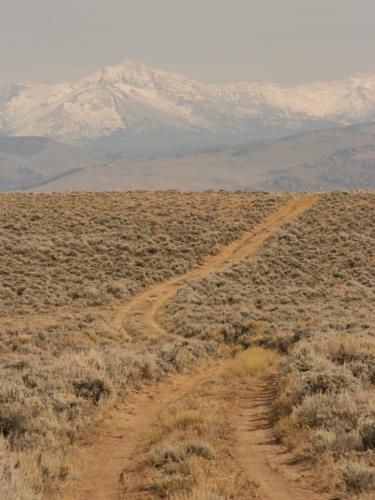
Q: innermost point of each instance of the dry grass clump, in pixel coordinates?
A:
(311, 291)
(254, 362)
(186, 455)
(19, 474)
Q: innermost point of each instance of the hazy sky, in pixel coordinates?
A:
(211, 40)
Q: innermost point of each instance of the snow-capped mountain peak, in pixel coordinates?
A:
(133, 99)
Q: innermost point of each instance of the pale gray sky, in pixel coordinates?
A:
(211, 40)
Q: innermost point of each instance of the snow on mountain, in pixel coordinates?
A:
(132, 98)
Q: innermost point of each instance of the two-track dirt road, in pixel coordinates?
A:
(140, 317)
(112, 447)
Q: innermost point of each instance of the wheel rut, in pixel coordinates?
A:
(257, 452)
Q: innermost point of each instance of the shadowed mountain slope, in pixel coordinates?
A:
(341, 158)
(28, 162)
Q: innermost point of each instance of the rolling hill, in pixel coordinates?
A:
(28, 162)
(340, 158)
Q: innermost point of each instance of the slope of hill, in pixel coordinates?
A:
(27, 162)
(340, 158)
(133, 108)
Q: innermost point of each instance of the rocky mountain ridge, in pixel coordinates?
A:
(139, 110)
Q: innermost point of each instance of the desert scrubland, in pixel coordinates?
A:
(67, 262)
(309, 293)
(303, 303)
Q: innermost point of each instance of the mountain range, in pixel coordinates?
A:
(133, 127)
(147, 113)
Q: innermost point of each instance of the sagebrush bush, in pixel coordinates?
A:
(323, 378)
(19, 475)
(357, 476)
(167, 452)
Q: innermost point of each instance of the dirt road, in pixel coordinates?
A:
(112, 446)
(117, 438)
(140, 317)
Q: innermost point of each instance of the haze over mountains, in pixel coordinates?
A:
(139, 110)
(342, 158)
(140, 116)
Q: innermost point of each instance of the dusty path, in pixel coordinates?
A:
(128, 317)
(141, 316)
(107, 463)
(110, 451)
(255, 449)
(112, 446)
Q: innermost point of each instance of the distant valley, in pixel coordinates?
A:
(28, 162)
(340, 158)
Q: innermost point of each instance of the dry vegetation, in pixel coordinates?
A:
(68, 259)
(187, 454)
(47, 401)
(67, 262)
(310, 292)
